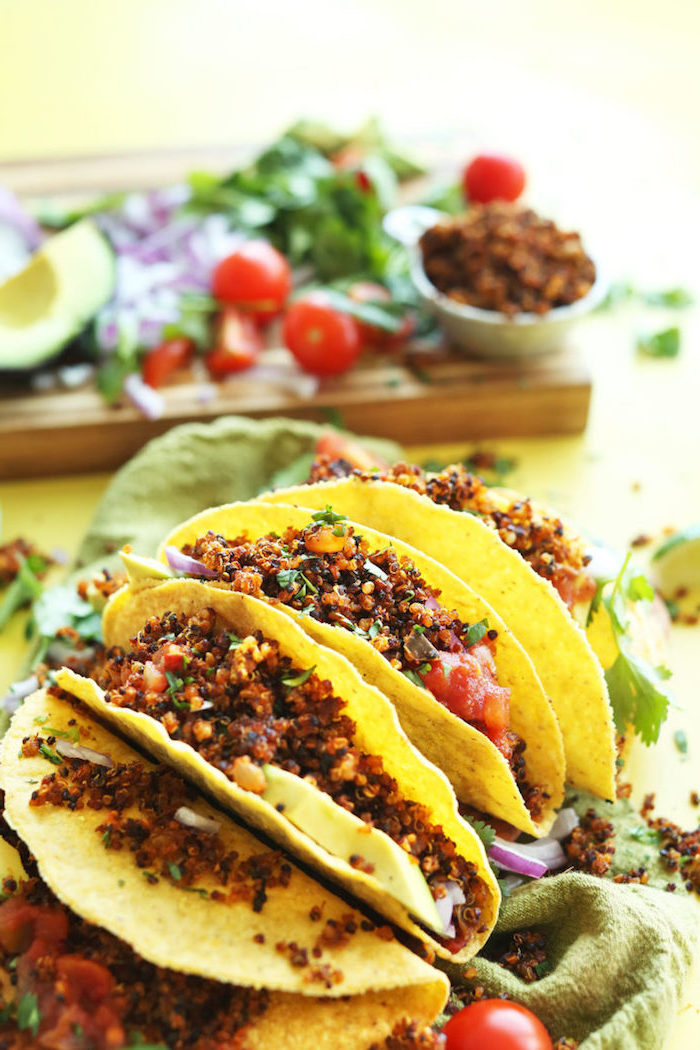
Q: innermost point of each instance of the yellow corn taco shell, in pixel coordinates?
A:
(479, 773)
(378, 733)
(563, 656)
(378, 982)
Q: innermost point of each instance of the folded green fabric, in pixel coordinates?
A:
(619, 955)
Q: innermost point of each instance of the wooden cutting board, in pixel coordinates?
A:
(418, 397)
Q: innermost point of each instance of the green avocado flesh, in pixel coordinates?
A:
(51, 300)
(344, 835)
(140, 568)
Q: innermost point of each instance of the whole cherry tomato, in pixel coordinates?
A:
(373, 337)
(237, 343)
(256, 278)
(166, 358)
(496, 1024)
(325, 341)
(492, 176)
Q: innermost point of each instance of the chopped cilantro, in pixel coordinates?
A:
(414, 677)
(174, 686)
(475, 632)
(28, 1015)
(46, 751)
(196, 889)
(328, 516)
(543, 968)
(374, 629)
(681, 741)
(666, 343)
(483, 830)
(675, 298)
(289, 578)
(291, 681)
(175, 871)
(339, 530)
(642, 833)
(66, 734)
(107, 837)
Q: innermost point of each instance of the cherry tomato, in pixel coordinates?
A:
(256, 278)
(166, 358)
(325, 341)
(491, 176)
(237, 345)
(336, 446)
(373, 337)
(496, 1024)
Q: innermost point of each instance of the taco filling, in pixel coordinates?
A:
(328, 572)
(246, 710)
(69, 985)
(538, 537)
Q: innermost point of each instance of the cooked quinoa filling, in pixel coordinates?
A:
(539, 538)
(70, 984)
(239, 703)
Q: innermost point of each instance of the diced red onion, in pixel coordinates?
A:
(446, 905)
(432, 603)
(70, 750)
(512, 858)
(183, 563)
(567, 820)
(148, 400)
(18, 691)
(189, 819)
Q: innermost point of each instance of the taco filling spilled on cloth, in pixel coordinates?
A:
(540, 538)
(247, 711)
(328, 572)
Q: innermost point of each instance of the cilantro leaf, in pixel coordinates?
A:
(485, 832)
(666, 343)
(291, 681)
(175, 684)
(645, 834)
(175, 871)
(475, 632)
(28, 1015)
(62, 606)
(328, 516)
(414, 677)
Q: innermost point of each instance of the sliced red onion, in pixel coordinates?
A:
(183, 563)
(189, 819)
(432, 603)
(70, 750)
(511, 858)
(446, 905)
(17, 693)
(148, 400)
(59, 555)
(567, 820)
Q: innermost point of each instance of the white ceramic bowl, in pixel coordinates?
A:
(488, 333)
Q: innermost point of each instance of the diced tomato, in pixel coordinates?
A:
(166, 358)
(154, 679)
(172, 657)
(574, 587)
(336, 446)
(84, 981)
(237, 343)
(464, 683)
(22, 925)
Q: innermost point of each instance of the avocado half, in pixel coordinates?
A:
(50, 301)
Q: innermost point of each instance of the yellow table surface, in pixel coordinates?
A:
(599, 100)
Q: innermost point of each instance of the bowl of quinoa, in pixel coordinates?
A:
(503, 282)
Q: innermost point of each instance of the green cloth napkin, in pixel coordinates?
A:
(619, 952)
(619, 955)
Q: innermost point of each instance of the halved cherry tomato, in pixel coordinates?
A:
(373, 337)
(238, 342)
(496, 1024)
(166, 358)
(325, 341)
(256, 278)
(492, 176)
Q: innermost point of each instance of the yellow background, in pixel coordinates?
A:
(601, 100)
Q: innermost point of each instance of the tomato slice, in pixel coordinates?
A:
(165, 359)
(238, 343)
(496, 1024)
